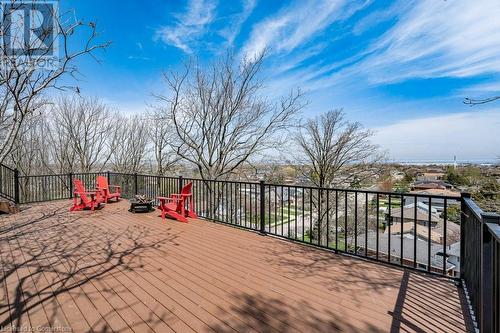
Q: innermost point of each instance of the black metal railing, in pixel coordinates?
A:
(39, 188)
(480, 270)
(442, 235)
(403, 229)
(8, 183)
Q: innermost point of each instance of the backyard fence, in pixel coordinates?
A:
(441, 235)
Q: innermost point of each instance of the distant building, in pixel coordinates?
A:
(430, 176)
(408, 216)
(436, 191)
(409, 252)
(437, 233)
(430, 184)
(436, 202)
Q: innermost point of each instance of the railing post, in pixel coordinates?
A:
(16, 187)
(262, 200)
(108, 175)
(181, 183)
(463, 220)
(487, 315)
(70, 183)
(135, 183)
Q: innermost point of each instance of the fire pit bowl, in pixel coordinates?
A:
(141, 203)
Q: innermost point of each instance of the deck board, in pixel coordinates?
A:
(111, 270)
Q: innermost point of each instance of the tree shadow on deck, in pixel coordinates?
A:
(335, 272)
(46, 254)
(421, 302)
(267, 314)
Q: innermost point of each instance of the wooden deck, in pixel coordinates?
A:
(114, 271)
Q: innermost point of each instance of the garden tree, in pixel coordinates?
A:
(23, 85)
(129, 143)
(337, 153)
(220, 116)
(161, 135)
(401, 186)
(456, 177)
(82, 132)
(386, 185)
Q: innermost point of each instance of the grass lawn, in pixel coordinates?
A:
(394, 203)
(287, 217)
(331, 244)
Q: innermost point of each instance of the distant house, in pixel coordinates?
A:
(430, 184)
(408, 252)
(436, 202)
(436, 233)
(421, 205)
(431, 176)
(436, 191)
(408, 216)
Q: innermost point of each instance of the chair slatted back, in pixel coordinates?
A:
(80, 190)
(185, 190)
(102, 183)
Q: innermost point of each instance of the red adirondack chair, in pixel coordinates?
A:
(93, 202)
(178, 206)
(103, 187)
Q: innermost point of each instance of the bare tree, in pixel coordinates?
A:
(129, 145)
(337, 153)
(162, 135)
(62, 156)
(220, 117)
(23, 83)
(88, 125)
(30, 152)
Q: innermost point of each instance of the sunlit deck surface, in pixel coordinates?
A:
(114, 271)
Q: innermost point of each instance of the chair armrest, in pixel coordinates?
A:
(86, 192)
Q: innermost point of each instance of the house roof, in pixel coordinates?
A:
(408, 248)
(452, 250)
(437, 191)
(422, 231)
(423, 205)
(409, 213)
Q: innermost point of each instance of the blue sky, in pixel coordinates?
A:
(401, 68)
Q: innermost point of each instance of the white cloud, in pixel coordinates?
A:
(296, 24)
(234, 26)
(469, 136)
(438, 39)
(487, 87)
(191, 25)
(379, 16)
(430, 39)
